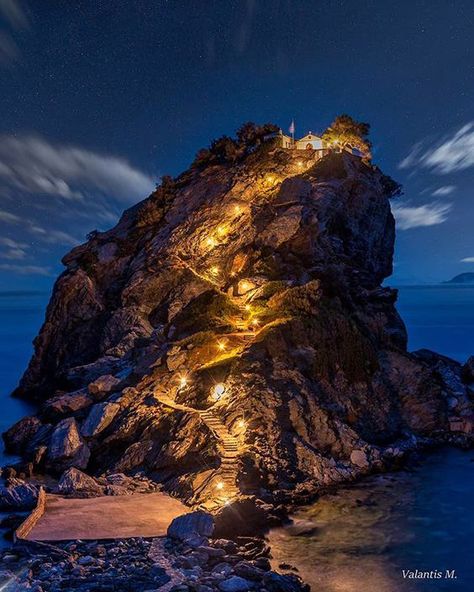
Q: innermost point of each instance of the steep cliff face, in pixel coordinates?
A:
(232, 332)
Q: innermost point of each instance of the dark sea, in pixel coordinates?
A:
(366, 535)
(21, 315)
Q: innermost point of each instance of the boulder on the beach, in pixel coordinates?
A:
(18, 495)
(75, 481)
(66, 447)
(359, 459)
(192, 525)
(275, 582)
(244, 517)
(100, 416)
(19, 435)
(67, 403)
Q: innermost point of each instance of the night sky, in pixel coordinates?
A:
(98, 99)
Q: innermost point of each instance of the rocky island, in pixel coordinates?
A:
(230, 343)
(462, 278)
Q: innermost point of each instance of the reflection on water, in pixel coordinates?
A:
(361, 538)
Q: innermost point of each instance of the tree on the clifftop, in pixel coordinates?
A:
(228, 150)
(348, 133)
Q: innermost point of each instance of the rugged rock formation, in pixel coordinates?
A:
(231, 334)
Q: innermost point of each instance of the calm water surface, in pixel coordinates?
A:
(21, 315)
(361, 538)
(440, 318)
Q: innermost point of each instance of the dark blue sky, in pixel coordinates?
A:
(99, 98)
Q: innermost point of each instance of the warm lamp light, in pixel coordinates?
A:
(237, 209)
(221, 345)
(300, 163)
(254, 322)
(214, 270)
(210, 242)
(247, 307)
(241, 424)
(220, 485)
(183, 381)
(222, 230)
(245, 285)
(218, 391)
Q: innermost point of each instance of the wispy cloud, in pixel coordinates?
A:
(16, 17)
(12, 244)
(9, 218)
(14, 254)
(26, 269)
(15, 13)
(47, 235)
(15, 250)
(467, 260)
(55, 236)
(444, 190)
(9, 52)
(429, 214)
(34, 165)
(452, 153)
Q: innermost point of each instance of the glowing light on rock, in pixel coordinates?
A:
(237, 210)
(214, 270)
(254, 322)
(245, 285)
(222, 230)
(221, 345)
(183, 381)
(220, 485)
(211, 242)
(300, 163)
(218, 391)
(269, 179)
(241, 424)
(247, 307)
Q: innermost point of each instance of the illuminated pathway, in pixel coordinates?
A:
(225, 480)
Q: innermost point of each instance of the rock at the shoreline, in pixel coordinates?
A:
(20, 434)
(75, 481)
(244, 517)
(192, 525)
(235, 584)
(66, 447)
(100, 416)
(275, 582)
(18, 495)
(67, 403)
(359, 458)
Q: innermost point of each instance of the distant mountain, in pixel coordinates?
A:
(462, 278)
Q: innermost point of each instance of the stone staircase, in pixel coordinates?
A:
(229, 448)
